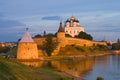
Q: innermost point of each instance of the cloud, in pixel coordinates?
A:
(1, 15)
(8, 23)
(51, 18)
(4, 23)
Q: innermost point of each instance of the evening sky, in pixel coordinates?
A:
(101, 18)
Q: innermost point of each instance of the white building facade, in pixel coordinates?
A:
(72, 27)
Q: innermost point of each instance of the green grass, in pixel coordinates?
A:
(13, 70)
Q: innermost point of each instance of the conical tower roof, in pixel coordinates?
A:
(26, 37)
(60, 28)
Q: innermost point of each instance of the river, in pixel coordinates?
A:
(107, 67)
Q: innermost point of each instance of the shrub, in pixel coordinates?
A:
(99, 78)
(84, 35)
(115, 46)
(49, 45)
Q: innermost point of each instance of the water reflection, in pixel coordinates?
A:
(73, 67)
(108, 68)
(89, 69)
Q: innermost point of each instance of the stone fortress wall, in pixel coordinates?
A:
(83, 42)
(71, 41)
(63, 41)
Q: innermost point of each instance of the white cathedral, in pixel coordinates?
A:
(72, 27)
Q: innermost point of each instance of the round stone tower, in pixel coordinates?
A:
(27, 48)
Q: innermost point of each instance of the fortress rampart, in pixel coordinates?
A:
(63, 41)
(82, 42)
(71, 41)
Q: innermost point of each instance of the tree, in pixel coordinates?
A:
(84, 35)
(4, 49)
(99, 78)
(49, 45)
(115, 46)
(67, 35)
(37, 36)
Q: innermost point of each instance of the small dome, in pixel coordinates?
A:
(77, 20)
(72, 18)
(67, 20)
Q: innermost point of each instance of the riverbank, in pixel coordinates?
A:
(43, 72)
(70, 57)
(80, 52)
(20, 71)
(13, 70)
(66, 57)
(81, 56)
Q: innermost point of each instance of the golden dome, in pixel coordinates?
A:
(72, 18)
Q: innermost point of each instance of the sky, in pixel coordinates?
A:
(100, 18)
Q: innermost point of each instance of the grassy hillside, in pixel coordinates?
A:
(13, 70)
(73, 49)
